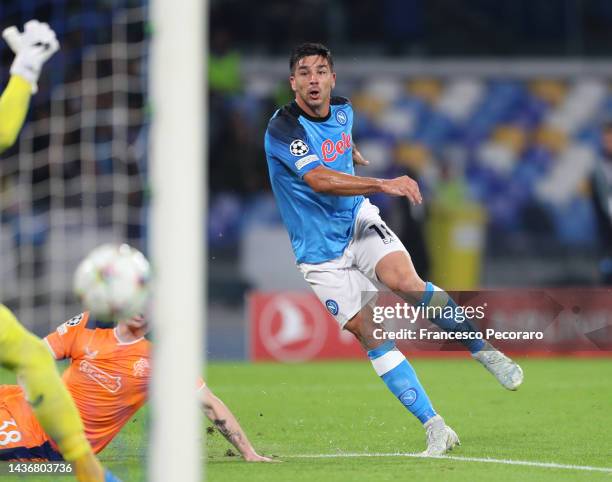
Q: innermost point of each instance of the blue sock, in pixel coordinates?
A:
(435, 296)
(399, 376)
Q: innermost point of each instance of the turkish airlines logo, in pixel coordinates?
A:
(291, 329)
(330, 149)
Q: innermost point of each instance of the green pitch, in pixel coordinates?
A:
(562, 415)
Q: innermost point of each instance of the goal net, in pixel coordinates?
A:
(78, 174)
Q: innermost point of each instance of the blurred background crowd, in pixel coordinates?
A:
(497, 109)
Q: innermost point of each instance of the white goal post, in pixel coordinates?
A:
(178, 207)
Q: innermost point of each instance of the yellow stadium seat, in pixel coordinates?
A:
(511, 136)
(413, 155)
(551, 138)
(429, 90)
(551, 91)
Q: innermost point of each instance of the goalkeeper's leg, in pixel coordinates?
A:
(29, 358)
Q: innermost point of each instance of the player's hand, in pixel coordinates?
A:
(255, 457)
(32, 49)
(403, 186)
(358, 159)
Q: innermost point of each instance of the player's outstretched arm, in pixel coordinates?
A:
(218, 413)
(32, 49)
(329, 181)
(14, 104)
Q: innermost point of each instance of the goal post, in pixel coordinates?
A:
(178, 209)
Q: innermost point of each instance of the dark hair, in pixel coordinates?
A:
(307, 49)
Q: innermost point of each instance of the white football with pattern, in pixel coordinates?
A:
(113, 282)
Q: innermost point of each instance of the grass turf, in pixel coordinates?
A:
(561, 414)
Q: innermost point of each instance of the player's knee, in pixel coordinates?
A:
(362, 327)
(411, 285)
(404, 282)
(39, 350)
(34, 352)
(355, 326)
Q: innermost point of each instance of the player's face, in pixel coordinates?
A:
(312, 81)
(136, 322)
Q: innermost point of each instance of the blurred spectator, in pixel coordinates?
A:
(403, 21)
(409, 225)
(601, 186)
(224, 64)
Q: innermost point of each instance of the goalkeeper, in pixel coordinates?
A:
(20, 350)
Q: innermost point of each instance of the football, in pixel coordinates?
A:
(113, 282)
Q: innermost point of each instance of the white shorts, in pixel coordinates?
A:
(348, 283)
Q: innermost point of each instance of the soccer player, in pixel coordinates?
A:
(20, 350)
(108, 377)
(343, 247)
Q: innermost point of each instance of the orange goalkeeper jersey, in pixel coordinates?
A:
(107, 379)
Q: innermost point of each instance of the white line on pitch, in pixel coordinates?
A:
(529, 463)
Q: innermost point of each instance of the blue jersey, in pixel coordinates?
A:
(320, 225)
